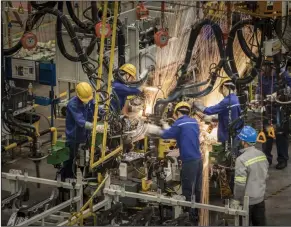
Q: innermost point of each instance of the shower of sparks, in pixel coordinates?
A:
(205, 52)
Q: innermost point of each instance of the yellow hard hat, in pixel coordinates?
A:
(182, 106)
(130, 69)
(226, 81)
(84, 92)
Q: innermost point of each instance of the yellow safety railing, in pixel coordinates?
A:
(109, 88)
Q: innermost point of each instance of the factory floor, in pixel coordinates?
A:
(278, 194)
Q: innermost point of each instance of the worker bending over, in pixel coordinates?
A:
(267, 85)
(127, 73)
(230, 102)
(251, 171)
(185, 131)
(79, 118)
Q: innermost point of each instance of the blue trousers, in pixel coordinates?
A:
(191, 177)
(282, 148)
(67, 171)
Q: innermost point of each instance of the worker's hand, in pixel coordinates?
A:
(207, 119)
(153, 130)
(99, 128)
(234, 204)
(88, 125)
(199, 106)
(164, 124)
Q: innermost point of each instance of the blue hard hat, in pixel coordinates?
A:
(248, 134)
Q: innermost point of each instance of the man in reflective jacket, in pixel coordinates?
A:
(251, 171)
(79, 118)
(267, 85)
(185, 131)
(127, 72)
(230, 101)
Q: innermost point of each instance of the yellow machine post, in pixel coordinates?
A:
(55, 135)
(98, 84)
(109, 86)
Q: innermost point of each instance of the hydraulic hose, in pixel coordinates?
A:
(120, 43)
(42, 5)
(60, 41)
(76, 20)
(243, 43)
(229, 52)
(219, 39)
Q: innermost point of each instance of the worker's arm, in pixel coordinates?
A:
(240, 180)
(122, 89)
(216, 109)
(171, 133)
(77, 115)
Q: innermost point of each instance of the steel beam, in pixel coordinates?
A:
(174, 202)
(49, 212)
(20, 177)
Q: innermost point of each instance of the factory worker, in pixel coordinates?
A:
(267, 85)
(230, 101)
(185, 131)
(251, 172)
(126, 73)
(79, 118)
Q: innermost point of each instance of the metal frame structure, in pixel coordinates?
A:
(111, 193)
(11, 181)
(115, 192)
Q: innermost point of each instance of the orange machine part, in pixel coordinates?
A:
(161, 38)
(98, 30)
(29, 41)
(141, 11)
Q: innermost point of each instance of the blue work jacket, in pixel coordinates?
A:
(122, 92)
(222, 109)
(186, 132)
(77, 115)
(269, 85)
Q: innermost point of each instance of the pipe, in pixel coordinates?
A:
(111, 154)
(30, 139)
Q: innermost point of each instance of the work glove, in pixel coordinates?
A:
(272, 97)
(153, 130)
(200, 106)
(258, 97)
(89, 126)
(234, 204)
(164, 124)
(209, 119)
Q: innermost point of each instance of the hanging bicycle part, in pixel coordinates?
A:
(29, 41)
(141, 11)
(107, 30)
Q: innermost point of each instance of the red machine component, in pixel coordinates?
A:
(98, 30)
(161, 38)
(141, 11)
(29, 41)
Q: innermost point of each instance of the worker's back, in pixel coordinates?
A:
(186, 132)
(253, 165)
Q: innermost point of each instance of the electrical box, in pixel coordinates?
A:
(272, 47)
(23, 69)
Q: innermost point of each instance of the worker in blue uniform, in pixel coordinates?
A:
(79, 118)
(267, 85)
(185, 131)
(230, 102)
(127, 73)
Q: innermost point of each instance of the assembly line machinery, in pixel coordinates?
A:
(129, 178)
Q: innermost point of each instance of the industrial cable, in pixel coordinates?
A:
(76, 20)
(230, 55)
(41, 5)
(60, 41)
